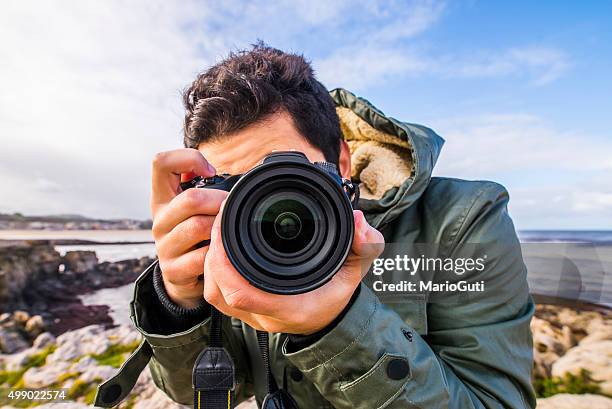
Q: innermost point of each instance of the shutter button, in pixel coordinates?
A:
(397, 369)
(296, 375)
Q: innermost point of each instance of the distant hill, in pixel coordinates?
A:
(18, 221)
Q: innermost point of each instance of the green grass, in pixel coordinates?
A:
(569, 383)
(10, 380)
(82, 389)
(14, 378)
(114, 355)
(63, 378)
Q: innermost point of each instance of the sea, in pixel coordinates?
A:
(572, 266)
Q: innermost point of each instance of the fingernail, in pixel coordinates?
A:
(211, 169)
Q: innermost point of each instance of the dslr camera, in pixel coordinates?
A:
(287, 225)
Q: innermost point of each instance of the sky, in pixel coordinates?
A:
(520, 91)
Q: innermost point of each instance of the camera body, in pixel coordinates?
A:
(287, 224)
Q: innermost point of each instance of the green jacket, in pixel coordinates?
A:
(471, 354)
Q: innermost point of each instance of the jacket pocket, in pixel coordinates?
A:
(387, 377)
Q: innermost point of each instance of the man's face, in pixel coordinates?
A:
(243, 150)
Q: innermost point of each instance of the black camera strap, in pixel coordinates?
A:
(214, 373)
(276, 398)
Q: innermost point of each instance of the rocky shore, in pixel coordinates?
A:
(573, 354)
(573, 362)
(49, 339)
(35, 278)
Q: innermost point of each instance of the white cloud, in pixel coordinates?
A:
(90, 92)
(357, 68)
(593, 201)
(91, 89)
(376, 53)
(556, 177)
(542, 64)
(391, 47)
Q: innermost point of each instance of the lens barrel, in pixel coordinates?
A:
(287, 224)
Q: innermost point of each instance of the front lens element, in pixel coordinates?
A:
(285, 223)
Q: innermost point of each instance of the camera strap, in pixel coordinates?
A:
(214, 373)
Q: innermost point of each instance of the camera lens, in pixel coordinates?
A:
(285, 224)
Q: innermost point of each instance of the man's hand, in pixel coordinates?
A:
(304, 313)
(181, 221)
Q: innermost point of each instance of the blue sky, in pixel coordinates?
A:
(519, 90)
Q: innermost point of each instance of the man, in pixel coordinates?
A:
(338, 346)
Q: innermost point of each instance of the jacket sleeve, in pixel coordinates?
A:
(173, 354)
(477, 354)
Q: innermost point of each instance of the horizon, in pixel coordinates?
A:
(91, 218)
(92, 92)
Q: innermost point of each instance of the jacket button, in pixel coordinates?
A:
(111, 393)
(397, 369)
(296, 375)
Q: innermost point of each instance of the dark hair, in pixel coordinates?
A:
(250, 85)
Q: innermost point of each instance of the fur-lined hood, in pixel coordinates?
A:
(392, 160)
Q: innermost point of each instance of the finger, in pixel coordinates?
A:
(186, 177)
(213, 296)
(236, 291)
(185, 236)
(167, 168)
(187, 204)
(184, 270)
(368, 243)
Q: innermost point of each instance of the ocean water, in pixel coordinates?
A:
(566, 236)
(105, 252)
(571, 265)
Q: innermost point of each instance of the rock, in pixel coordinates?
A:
(84, 341)
(97, 373)
(5, 318)
(598, 331)
(547, 338)
(64, 405)
(578, 321)
(21, 317)
(542, 363)
(22, 264)
(567, 337)
(158, 400)
(83, 364)
(35, 325)
(14, 362)
(80, 261)
(124, 334)
(43, 340)
(595, 357)
(11, 341)
(567, 401)
(249, 404)
(40, 377)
